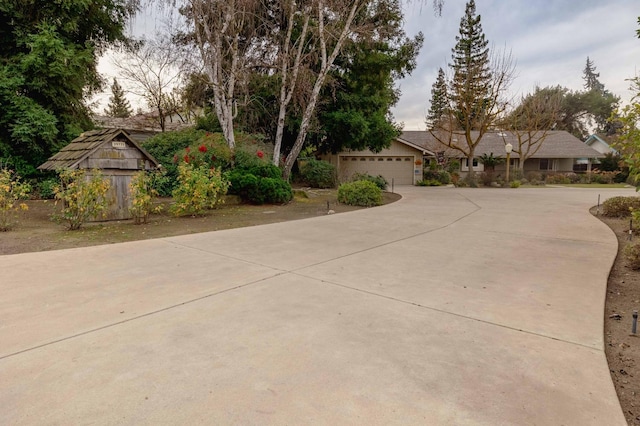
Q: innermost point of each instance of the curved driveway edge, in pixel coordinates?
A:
(451, 306)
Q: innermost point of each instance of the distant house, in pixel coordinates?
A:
(403, 160)
(140, 127)
(599, 144)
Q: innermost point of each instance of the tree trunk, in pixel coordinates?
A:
(288, 86)
(327, 62)
(472, 172)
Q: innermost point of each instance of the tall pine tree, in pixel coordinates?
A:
(475, 91)
(590, 77)
(598, 103)
(471, 84)
(439, 101)
(118, 106)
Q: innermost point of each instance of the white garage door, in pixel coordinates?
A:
(398, 168)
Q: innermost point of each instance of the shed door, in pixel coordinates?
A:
(398, 168)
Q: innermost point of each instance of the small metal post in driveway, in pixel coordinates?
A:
(634, 325)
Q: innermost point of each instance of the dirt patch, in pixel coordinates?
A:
(622, 348)
(36, 232)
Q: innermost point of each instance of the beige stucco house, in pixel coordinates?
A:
(403, 161)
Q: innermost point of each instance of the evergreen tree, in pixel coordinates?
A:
(49, 51)
(118, 106)
(439, 100)
(590, 77)
(475, 92)
(471, 84)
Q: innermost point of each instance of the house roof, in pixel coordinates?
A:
(86, 144)
(557, 144)
(595, 138)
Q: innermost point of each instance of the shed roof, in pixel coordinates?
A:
(86, 144)
(557, 144)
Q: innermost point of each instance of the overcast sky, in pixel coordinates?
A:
(549, 40)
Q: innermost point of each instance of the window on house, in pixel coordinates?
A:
(466, 163)
(546, 164)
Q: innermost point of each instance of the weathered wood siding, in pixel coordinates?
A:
(118, 155)
(118, 162)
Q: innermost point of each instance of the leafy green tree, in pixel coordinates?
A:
(628, 141)
(49, 52)
(354, 106)
(439, 101)
(118, 105)
(354, 110)
(577, 113)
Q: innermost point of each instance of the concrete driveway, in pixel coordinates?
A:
(449, 307)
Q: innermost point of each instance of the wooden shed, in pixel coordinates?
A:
(115, 154)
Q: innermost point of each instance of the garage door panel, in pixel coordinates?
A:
(398, 168)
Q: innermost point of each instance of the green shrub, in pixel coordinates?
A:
(45, 189)
(557, 179)
(360, 193)
(515, 184)
(273, 191)
(260, 185)
(487, 177)
(199, 189)
(622, 176)
(516, 174)
(429, 182)
(603, 177)
(470, 181)
(12, 190)
(266, 170)
(441, 176)
(534, 176)
(202, 148)
(453, 166)
(318, 174)
(83, 197)
(620, 206)
(246, 160)
(632, 255)
(573, 177)
(379, 180)
(165, 147)
(142, 194)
